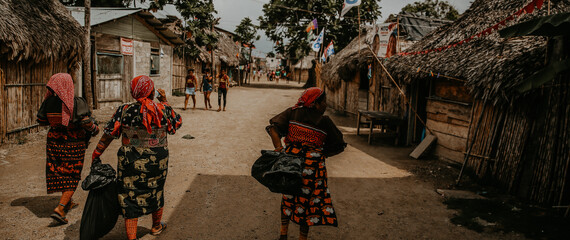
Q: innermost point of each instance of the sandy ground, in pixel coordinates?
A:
(210, 194)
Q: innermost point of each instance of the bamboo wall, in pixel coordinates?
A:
(22, 90)
(524, 148)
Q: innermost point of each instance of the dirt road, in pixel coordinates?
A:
(210, 194)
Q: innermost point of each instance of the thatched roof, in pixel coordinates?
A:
(492, 66)
(304, 63)
(349, 60)
(226, 51)
(39, 30)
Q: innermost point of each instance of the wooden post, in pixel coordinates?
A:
(3, 105)
(398, 47)
(300, 72)
(250, 62)
(359, 30)
(87, 56)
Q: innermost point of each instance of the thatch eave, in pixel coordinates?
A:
(343, 65)
(492, 67)
(39, 31)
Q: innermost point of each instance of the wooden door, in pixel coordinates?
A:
(110, 78)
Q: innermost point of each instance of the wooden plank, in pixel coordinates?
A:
(450, 141)
(448, 128)
(424, 146)
(448, 154)
(2, 102)
(451, 110)
(108, 43)
(128, 75)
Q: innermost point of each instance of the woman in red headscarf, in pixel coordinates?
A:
(143, 157)
(71, 127)
(310, 134)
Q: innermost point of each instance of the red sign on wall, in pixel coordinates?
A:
(127, 46)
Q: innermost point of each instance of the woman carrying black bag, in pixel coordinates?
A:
(314, 137)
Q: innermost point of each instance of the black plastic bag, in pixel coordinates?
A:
(102, 208)
(280, 172)
(100, 176)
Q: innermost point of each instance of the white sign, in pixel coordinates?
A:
(385, 30)
(127, 46)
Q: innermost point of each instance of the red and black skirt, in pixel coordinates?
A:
(65, 152)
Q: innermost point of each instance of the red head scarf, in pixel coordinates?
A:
(308, 98)
(141, 88)
(62, 86)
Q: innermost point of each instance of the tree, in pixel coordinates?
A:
(199, 17)
(246, 33)
(288, 19)
(434, 9)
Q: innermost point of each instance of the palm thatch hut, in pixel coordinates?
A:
(37, 40)
(300, 71)
(345, 75)
(519, 141)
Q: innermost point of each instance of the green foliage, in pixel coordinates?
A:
(434, 9)
(199, 17)
(288, 19)
(246, 32)
(271, 54)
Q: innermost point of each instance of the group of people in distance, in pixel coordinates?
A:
(207, 86)
(277, 74)
(143, 159)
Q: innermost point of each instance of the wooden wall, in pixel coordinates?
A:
(303, 72)
(345, 99)
(22, 90)
(178, 74)
(449, 122)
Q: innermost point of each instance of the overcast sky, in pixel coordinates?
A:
(232, 12)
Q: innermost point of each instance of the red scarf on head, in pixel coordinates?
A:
(308, 98)
(141, 88)
(62, 86)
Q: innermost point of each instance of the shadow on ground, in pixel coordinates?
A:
(483, 215)
(238, 207)
(41, 206)
(118, 232)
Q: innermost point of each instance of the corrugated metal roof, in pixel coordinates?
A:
(101, 15)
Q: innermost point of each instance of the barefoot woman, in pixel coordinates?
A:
(71, 127)
(143, 157)
(314, 137)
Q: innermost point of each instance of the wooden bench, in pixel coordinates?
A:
(383, 119)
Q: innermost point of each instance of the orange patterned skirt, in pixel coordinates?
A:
(313, 206)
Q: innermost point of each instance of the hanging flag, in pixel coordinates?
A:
(312, 25)
(329, 51)
(316, 46)
(348, 4)
(310, 36)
